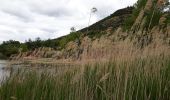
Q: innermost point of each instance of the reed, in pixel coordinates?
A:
(139, 79)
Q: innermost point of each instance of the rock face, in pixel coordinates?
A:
(37, 53)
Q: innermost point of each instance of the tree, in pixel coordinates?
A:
(93, 10)
(10, 47)
(73, 29)
(37, 43)
(23, 47)
(29, 44)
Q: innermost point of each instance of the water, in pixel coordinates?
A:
(4, 73)
(7, 72)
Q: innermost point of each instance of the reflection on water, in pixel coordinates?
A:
(3, 72)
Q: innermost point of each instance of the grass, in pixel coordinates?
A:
(139, 79)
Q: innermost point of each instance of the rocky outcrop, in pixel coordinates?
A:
(34, 54)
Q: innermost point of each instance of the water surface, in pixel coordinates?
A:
(4, 73)
(7, 71)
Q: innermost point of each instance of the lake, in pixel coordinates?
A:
(4, 73)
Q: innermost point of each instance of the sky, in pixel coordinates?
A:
(24, 19)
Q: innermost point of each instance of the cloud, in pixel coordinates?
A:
(23, 19)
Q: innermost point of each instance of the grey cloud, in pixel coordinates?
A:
(21, 15)
(59, 12)
(49, 30)
(23, 19)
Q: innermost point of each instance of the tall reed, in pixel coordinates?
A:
(139, 79)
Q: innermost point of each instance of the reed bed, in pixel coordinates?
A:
(139, 79)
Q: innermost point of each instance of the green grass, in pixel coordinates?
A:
(139, 79)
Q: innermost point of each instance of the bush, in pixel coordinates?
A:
(9, 47)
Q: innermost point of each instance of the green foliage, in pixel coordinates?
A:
(9, 47)
(139, 5)
(2, 56)
(49, 43)
(168, 20)
(130, 21)
(66, 39)
(141, 79)
(96, 34)
(63, 42)
(152, 18)
(23, 48)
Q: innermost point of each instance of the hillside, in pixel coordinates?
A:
(139, 29)
(113, 21)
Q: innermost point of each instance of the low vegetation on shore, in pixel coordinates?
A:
(141, 79)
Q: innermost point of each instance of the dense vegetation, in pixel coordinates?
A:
(137, 8)
(152, 16)
(139, 79)
(8, 48)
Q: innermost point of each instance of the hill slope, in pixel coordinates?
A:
(113, 21)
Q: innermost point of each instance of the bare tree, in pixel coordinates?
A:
(93, 10)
